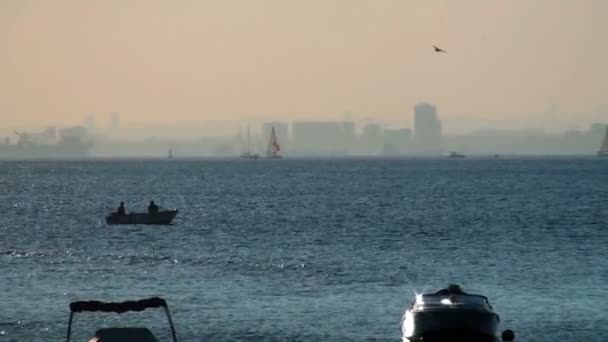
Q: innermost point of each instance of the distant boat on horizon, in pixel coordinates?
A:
(456, 155)
(273, 151)
(603, 152)
(248, 154)
(170, 154)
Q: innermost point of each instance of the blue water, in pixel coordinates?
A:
(305, 250)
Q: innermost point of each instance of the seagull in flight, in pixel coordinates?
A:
(439, 50)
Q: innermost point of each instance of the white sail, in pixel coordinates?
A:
(274, 149)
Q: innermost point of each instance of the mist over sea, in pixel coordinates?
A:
(305, 249)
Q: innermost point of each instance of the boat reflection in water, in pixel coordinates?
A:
(451, 315)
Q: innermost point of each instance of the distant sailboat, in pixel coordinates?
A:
(170, 154)
(603, 152)
(274, 149)
(248, 154)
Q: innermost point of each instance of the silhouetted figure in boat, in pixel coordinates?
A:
(450, 290)
(121, 209)
(152, 208)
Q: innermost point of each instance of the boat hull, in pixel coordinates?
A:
(249, 156)
(159, 218)
(456, 155)
(451, 323)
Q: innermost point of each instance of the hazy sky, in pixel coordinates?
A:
(189, 60)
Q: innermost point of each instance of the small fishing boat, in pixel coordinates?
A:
(139, 334)
(163, 217)
(603, 152)
(274, 149)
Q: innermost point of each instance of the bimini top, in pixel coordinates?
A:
(120, 334)
(118, 307)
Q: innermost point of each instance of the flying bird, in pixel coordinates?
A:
(439, 50)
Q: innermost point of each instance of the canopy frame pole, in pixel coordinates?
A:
(170, 323)
(70, 325)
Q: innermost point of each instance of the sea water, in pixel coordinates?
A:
(304, 249)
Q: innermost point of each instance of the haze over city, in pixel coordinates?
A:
(303, 170)
(510, 64)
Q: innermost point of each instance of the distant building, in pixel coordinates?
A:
(75, 131)
(397, 141)
(90, 123)
(371, 139)
(348, 138)
(427, 130)
(318, 138)
(114, 122)
(597, 129)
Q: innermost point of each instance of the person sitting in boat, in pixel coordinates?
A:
(152, 208)
(121, 209)
(451, 289)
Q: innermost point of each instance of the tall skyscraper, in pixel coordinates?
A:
(397, 141)
(427, 129)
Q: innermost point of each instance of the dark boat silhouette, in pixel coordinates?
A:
(456, 155)
(603, 152)
(132, 334)
(451, 314)
(163, 217)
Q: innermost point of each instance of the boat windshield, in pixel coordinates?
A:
(454, 299)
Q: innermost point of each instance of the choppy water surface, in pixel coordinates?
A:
(306, 250)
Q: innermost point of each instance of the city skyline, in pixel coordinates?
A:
(103, 123)
(425, 137)
(156, 62)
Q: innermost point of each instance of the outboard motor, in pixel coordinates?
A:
(507, 335)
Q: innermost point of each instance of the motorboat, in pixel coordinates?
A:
(121, 334)
(162, 217)
(450, 314)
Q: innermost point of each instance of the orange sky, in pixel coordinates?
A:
(190, 60)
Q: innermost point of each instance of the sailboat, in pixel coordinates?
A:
(603, 152)
(274, 149)
(248, 154)
(170, 154)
